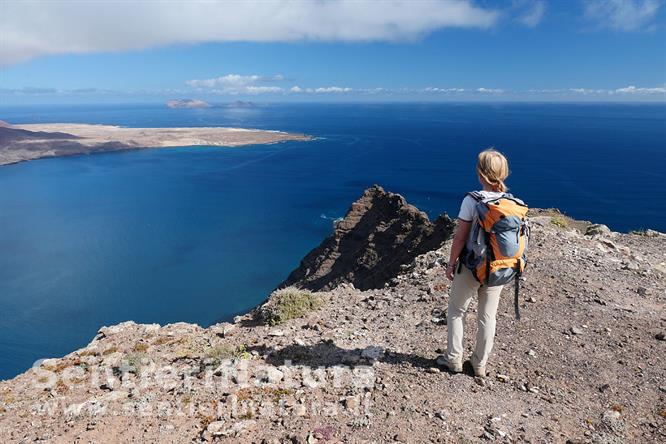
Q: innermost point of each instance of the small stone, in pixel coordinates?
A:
(272, 375)
(631, 266)
(661, 336)
(311, 439)
(613, 420)
(642, 291)
(433, 370)
(351, 402)
(441, 415)
(576, 331)
(400, 437)
(531, 352)
(531, 299)
(295, 439)
(223, 329)
(276, 333)
(216, 428)
(373, 353)
(502, 378)
(597, 230)
(300, 410)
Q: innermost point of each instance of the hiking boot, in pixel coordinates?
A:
(480, 371)
(453, 367)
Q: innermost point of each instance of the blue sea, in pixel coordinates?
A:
(199, 234)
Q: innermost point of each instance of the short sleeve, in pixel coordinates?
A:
(467, 209)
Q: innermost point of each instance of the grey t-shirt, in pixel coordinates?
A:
(468, 207)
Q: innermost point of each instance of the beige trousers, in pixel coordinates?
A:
(463, 289)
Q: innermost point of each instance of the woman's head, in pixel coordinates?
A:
(492, 168)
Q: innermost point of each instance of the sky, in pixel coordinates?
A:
(96, 51)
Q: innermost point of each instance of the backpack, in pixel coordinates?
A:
(495, 251)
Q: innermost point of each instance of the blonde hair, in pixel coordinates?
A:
(493, 167)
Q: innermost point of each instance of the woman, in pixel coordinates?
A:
(492, 169)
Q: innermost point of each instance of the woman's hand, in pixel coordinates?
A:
(450, 270)
(459, 239)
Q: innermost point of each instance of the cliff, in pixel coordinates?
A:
(379, 234)
(585, 364)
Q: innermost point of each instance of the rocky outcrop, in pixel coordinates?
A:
(380, 233)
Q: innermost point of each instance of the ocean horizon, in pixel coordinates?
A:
(200, 234)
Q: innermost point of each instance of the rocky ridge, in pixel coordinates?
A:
(380, 234)
(585, 364)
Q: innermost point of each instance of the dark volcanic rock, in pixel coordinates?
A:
(380, 232)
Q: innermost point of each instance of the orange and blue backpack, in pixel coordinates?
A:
(495, 251)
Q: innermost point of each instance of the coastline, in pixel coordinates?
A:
(20, 143)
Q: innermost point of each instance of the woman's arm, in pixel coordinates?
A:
(459, 239)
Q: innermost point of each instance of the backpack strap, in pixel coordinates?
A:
(475, 195)
(481, 198)
(516, 294)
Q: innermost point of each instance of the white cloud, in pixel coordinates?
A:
(228, 81)
(433, 89)
(332, 89)
(482, 90)
(533, 13)
(633, 90)
(263, 90)
(324, 90)
(31, 29)
(235, 84)
(624, 15)
(234, 81)
(490, 90)
(587, 91)
(627, 90)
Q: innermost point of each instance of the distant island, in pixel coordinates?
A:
(26, 142)
(187, 103)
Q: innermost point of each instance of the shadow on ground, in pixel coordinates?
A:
(326, 354)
